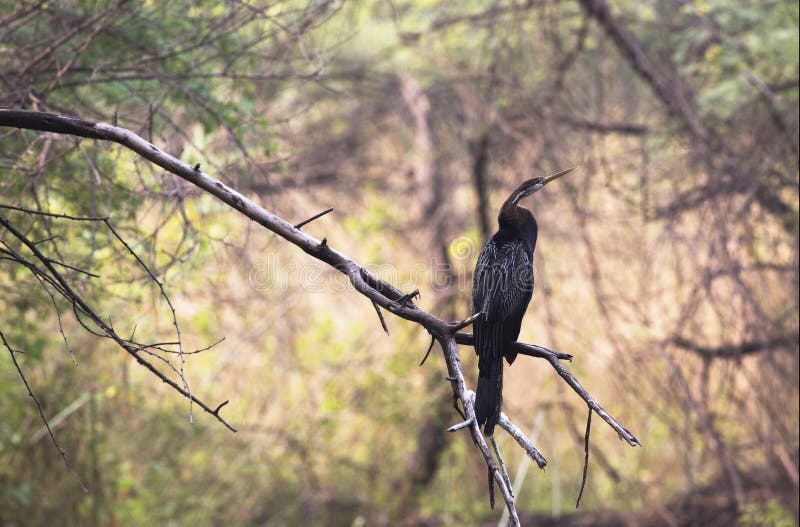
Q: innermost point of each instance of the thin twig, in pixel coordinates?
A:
(166, 298)
(502, 465)
(80, 307)
(433, 339)
(312, 218)
(49, 238)
(380, 317)
(159, 346)
(73, 268)
(63, 454)
(461, 425)
(58, 316)
(586, 457)
(456, 326)
(53, 215)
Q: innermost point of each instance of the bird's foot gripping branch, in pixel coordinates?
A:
(381, 294)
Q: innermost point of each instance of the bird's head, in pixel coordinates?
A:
(532, 185)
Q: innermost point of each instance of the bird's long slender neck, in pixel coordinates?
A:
(517, 222)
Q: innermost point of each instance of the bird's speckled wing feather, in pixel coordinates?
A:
(503, 281)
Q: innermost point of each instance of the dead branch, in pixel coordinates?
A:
(380, 293)
(42, 267)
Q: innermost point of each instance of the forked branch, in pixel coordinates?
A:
(380, 293)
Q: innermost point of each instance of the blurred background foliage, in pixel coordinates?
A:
(668, 265)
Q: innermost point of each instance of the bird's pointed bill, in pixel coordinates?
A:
(557, 175)
(532, 185)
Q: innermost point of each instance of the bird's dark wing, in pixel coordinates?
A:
(503, 282)
(501, 289)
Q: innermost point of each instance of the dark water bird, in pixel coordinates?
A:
(502, 286)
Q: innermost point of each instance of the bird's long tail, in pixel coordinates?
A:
(489, 394)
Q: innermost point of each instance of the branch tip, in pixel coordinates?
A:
(380, 317)
(461, 425)
(433, 340)
(586, 457)
(312, 218)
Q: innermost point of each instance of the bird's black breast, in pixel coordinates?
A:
(503, 282)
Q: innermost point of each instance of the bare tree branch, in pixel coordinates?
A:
(733, 351)
(519, 436)
(666, 88)
(380, 293)
(48, 274)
